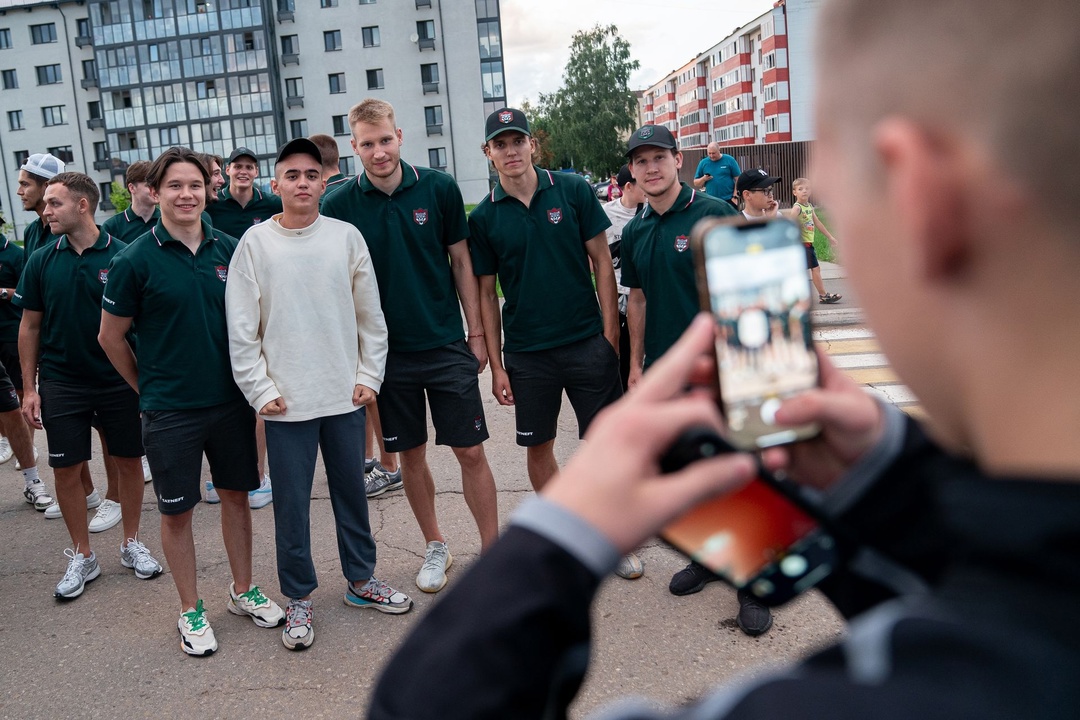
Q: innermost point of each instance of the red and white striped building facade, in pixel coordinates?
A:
(752, 87)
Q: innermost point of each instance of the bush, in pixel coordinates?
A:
(119, 196)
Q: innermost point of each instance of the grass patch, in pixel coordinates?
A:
(825, 251)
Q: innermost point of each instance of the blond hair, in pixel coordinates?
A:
(372, 112)
(799, 181)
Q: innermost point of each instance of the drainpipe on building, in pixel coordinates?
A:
(75, 100)
(449, 109)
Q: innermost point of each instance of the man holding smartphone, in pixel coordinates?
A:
(956, 545)
(716, 174)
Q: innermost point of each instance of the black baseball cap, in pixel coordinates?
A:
(655, 135)
(242, 152)
(298, 146)
(506, 119)
(624, 176)
(754, 180)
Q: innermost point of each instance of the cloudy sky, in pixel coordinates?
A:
(663, 35)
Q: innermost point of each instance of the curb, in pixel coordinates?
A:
(837, 316)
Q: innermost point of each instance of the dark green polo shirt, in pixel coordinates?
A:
(539, 255)
(35, 235)
(12, 259)
(66, 288)
(407, 234)
(177, 301)
(227, 216)
(127, 226)
(656, 257)
(333, 184)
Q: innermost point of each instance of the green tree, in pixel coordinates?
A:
(119, 196)
(594, 111)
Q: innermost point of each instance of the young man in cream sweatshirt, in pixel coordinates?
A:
(307, 339)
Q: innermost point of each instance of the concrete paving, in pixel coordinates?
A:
(114, 652)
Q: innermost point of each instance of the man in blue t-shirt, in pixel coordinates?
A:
(716, 174)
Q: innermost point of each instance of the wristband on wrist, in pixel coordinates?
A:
(476, 335)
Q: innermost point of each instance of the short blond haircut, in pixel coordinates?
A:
(371, 111)
(799, 181)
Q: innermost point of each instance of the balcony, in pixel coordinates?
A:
(88, 83)
(290, 58)
(102, 165)
(426, 43)
(431, 87)
(434, 129)
(423, 4)
(285, 16)
(95, 123)
(82, 41)
(294, 101)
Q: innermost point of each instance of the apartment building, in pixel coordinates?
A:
(754, 86)
(102, 83)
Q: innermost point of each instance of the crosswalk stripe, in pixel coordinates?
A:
(866, 360)
(856, 352)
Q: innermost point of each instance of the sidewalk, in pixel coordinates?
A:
(845, 312)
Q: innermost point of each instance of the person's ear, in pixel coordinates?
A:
(923, 187)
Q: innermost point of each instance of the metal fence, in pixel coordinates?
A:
(786, 161)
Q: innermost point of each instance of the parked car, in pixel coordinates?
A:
(601, 189)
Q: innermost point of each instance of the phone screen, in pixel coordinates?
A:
(759, 293)
(739, 535)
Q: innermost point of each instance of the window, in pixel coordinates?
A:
(54, 115)
(297, 128)
(430, 74)
(11, 80)
(425, 29)
(337, 83)
(101, 151)
(770, 61)
(437, 157)
(41, 34)
(121, 99)
(487, 9)
(375, 79)
(93, 109)
(210, 131)
(433, 115)
(491, 79)
(371, 36)
(82, 27)
(327, 3)
(128, 140)
(169, 136)
(770, 92)
(205, 89)
(48, 74)
(294, 87)
(5, 38)
(490, 44)
(341, 124)
(332, 40)
(345, 164)
(21, 156)
(63, 152)
(290, 45)
(366, 2)
(89, 69)
(105, 190)
(15, 120)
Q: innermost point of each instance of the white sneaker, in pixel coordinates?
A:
(432, 576)
(196, 635)
(263, 496)
(80, 570)
(18, 465)
(263, 611)
(107, 516)
(5, 450)
(53, 511)
(36, 494)
(134, 555)
(147, 477)
(211, 494)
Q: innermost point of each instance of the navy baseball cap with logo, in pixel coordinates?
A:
(755, 180)
(506, 119)
(654, 135)
(299, 146)
(242, 152)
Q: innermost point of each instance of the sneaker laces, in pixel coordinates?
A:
(298, 613)
(137, 551)
(74, 568)
(37, 489)
(255, 596)
(377, 587)
(435, 557)
(195, 619)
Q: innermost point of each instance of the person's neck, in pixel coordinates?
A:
(84, 236)
(242, 195)
(522, 187)
(390, 183)
(190, 234)
(660, 204)
(40, 210)
(625, 202)
(751, 212)
(297, 220)
(143, 210)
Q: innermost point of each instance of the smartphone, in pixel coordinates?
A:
(752, 276)
(761, 538)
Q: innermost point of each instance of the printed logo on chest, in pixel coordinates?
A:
(103, 275)
(222, 272)
(682, 243)
(555, 216)
(420, 216)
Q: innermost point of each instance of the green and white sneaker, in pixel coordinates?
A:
(263, 611)
(196, 635)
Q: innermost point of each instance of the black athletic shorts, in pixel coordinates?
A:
(811, 257)
(176, 440)
(68, 410)
(9, 358)
(588, 370)
(9, 399)
(448, 375)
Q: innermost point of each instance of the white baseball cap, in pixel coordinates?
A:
(43, 165)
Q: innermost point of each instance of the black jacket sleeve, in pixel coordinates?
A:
(511, 639)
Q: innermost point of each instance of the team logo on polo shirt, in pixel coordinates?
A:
(222, 272)
(681, 243)
(506, 117)
(419, 216)
(555, 216)
(103, 275)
